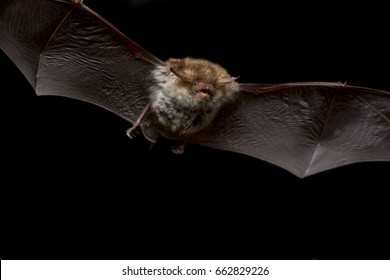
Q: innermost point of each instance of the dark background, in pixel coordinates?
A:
(75, 187)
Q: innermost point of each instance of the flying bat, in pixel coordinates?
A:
(64, 48)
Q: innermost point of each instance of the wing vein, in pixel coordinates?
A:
(328, 113)
(372, 107)
(47, 44)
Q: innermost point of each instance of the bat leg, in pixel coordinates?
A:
(133, 131)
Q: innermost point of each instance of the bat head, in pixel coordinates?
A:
(202, 79)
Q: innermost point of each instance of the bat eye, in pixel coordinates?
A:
(180, 75)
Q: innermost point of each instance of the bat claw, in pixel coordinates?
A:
(132, 132)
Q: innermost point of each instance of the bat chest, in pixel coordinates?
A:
(181, 116)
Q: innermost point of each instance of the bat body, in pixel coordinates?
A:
(185, 97)
(64, 48)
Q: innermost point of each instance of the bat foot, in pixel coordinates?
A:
(178, 149)
(132, 132)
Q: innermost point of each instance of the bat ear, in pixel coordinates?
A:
(227, 80)
(176, 71)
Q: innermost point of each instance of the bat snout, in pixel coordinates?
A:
(202, 89)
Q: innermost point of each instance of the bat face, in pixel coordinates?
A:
(189, 93)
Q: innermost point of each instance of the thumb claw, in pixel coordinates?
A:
(132, 132)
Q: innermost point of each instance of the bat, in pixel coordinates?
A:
(64, 48)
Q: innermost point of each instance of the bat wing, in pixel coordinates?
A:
(64, 48)
(304, 128)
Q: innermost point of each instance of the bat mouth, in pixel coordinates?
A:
(204, 94)
(202, 90)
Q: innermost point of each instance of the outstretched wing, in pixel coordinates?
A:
(64, 48)
(305, 128)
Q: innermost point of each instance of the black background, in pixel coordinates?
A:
(75, 187)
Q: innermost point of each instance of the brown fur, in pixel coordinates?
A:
(176, 100)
